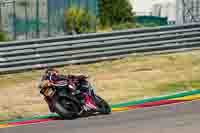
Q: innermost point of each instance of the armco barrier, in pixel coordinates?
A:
(34, 54)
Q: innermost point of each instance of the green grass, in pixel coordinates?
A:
(174, 87)
(180, 86)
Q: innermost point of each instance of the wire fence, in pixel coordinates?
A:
(27, 19)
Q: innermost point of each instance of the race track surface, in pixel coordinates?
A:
(174, 118)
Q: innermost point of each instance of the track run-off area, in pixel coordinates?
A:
(178, 113)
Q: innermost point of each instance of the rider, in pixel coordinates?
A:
(76, 83)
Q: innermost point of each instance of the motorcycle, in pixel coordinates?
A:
(71, 104)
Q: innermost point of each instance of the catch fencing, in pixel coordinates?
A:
(27, 19)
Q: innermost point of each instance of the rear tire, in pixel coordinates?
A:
(103, 106)
(67, 109)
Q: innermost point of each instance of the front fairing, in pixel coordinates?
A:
(62, 91)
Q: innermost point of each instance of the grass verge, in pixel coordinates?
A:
(123, 80)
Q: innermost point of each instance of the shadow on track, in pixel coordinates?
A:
(82, 116)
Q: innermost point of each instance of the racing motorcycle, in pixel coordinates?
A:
(70, 104)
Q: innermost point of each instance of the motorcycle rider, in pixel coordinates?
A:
(77, 84)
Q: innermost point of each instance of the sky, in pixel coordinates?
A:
(145, 5)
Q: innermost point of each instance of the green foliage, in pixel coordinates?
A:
(124, 26)
(173, 87)
(3, 37)
(79, 20)
(115, 12)
(24, 3)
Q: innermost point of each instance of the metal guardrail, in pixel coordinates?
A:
(35, 54)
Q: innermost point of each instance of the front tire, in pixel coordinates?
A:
(67, 109)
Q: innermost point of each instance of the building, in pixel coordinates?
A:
(156, 9)
(141, 7)
(159, 8)
(165, 9)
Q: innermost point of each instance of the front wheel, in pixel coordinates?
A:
(104, 107)
(66, 108)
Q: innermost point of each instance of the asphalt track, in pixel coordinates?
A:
(173, 118)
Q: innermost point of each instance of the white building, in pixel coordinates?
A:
(156, 10)
(141, 7)
(164, 8)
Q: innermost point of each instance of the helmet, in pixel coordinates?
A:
(51, 73)
(51, 70)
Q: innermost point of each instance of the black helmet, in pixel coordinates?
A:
(51, 73)
(51, 70)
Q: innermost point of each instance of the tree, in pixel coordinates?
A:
(115, 12)
(1, 27)
(3, 37)
(78, 20)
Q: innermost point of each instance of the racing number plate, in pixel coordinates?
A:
(49, 92)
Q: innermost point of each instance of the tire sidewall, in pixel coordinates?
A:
(62, 111)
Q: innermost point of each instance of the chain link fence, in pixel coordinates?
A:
(27, 19)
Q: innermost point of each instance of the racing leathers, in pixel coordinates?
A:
(77, 84)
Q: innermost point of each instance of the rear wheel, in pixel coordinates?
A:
(103, 106)
(66, 108)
